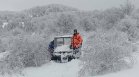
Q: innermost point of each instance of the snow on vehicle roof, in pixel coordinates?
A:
(65, 36)
(63, 48)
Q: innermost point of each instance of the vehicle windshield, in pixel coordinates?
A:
(59, 41)
(63, 41)
(67, 41)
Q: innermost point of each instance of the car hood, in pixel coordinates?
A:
(65, 48)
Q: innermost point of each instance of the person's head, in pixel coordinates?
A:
(75, 31)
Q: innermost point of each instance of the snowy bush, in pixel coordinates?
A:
(105, 52)
(88, 23)
(129, 25)
(29, 51)
(66, 23)
(127, 8)
(2, 49)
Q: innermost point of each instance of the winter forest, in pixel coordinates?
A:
(110, 38)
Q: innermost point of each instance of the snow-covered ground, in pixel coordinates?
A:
(54, 69)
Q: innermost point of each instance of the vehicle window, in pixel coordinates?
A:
(67, 41)
(59, 41)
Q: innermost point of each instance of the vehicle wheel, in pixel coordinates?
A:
(70, 58)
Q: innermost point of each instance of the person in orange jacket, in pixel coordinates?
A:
(76, 41)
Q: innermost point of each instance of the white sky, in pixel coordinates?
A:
(17, 5)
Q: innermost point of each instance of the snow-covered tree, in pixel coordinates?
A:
(66, 23)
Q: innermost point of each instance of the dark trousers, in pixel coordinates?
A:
(77, 52)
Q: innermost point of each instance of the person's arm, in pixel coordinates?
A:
(80, 40)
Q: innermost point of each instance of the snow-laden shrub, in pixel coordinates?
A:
(66, 23)
(88, 23)
(2, 47)
(127, 8)
(129, 25)
(30, 51)
(105, 52)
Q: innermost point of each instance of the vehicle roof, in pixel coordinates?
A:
(63, 36)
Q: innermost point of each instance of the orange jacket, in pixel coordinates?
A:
(76, 41)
